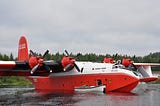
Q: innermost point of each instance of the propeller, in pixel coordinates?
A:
(34, 68)
(66, 52)
(134, 66)
(37, 61)
(128, 62)
(32, 53)
(68, 62)
(133, 62)
(124, 61)
(115, 56)
(110, 59)
(47, 51)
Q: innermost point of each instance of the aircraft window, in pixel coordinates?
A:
(119, 66)
(115, 66)
(99, 68)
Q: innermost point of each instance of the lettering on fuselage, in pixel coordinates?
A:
(22, 46)
(103, 68)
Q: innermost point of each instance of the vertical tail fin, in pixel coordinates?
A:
(145, 71)
(23, 49)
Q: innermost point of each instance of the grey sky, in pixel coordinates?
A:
(87, 26)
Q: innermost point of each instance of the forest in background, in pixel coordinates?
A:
(150, 58)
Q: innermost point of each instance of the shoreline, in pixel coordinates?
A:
(14, 86)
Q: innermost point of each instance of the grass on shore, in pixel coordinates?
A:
(14, 81)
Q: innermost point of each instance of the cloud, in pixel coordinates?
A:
(118, 26)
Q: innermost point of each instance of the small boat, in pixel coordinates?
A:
(90, 88)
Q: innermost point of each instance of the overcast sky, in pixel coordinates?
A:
(88, 26)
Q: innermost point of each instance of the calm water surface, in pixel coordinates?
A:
(143, 95)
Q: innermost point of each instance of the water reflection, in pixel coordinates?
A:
(143, 96)
(121, 99)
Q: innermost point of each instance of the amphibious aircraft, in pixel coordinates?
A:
(69, 74)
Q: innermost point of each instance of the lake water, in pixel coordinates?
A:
(143, 95)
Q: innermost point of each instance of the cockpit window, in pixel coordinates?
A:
(118, 66)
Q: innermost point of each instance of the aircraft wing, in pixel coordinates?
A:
(6, 65)
(146, 64)
(12, 68)
(17, 68)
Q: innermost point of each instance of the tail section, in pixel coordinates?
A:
(23, 49)
(146, 72)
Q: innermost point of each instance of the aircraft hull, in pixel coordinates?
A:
(116, 82)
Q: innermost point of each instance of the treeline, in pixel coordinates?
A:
(151, 58)
(6, 57)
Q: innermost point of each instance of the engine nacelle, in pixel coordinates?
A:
(108, 60)
(126, 62)
(67, 61)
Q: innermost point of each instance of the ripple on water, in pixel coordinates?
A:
(143, 95)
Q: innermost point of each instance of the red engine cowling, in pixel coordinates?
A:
(126, 62)
(67, 60)
(33, 61)
(108, 60)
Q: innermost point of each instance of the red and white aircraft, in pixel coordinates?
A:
(69, 74)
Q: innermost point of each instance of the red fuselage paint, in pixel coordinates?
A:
(114, 81)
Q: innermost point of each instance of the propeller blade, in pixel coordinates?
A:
(134, 66)
(66, 52)
(45, 53)
(34, 54)
(77, 55)
(67, 67)
(115, 56)
(77, 67)
(34, 68)
(47, 68)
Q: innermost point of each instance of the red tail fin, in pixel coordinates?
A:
(23, 49)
